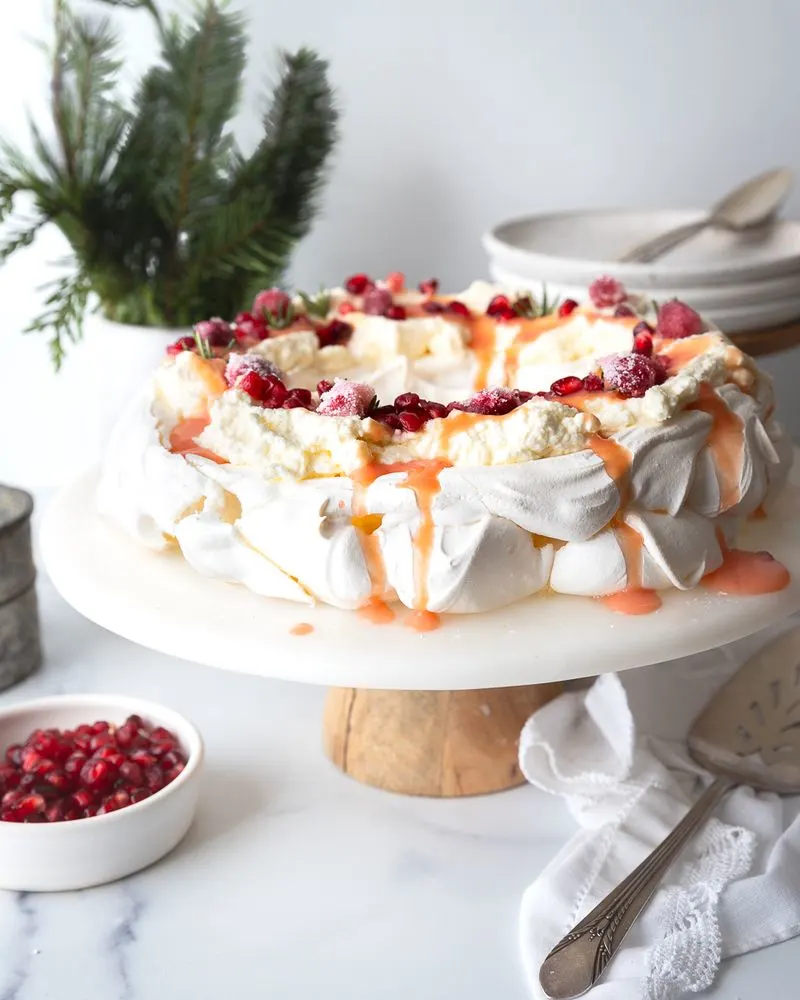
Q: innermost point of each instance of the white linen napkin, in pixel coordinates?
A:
(736, 887)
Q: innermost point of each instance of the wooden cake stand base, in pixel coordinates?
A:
(439, 743)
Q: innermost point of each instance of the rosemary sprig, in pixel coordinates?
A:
(318, 305)
(527, 307)
(280, 320)
(203, 346)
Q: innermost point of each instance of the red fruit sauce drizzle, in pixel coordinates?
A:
(725, 442)
(422, 477)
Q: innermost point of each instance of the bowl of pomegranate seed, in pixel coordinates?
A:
(92, 788)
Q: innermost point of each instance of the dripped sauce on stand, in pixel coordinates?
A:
(422, 478)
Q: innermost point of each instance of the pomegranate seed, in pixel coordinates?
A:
(335, 332)
(82, 798)
(643, 343)
(102, 739)
(249, 327)
(34, 763)
(101, 726)
(429, 287)
(593, 383)
(59, 780)
(377, 301)
(406, 401)
(154, 778)
(74, 763)
(567, 307)
(10, 799)
(140, 794)
(392, 421)
(606, 291)
(99, 774)
(82, 744)
(180, 345)
(324, 385)
(9, 778)
(121, 798)
(458, 309)
(623, 311)
(112, 755)
(131, 773)
(356, 284)
(677, 320)
(433, 307)
(126, 734)
(136, 721)
(252, 383)
(410, 421)
(55, 812)
(161, 735)
(173, 773)
(73, 812)
(298, 399)
(435, 410)
(504, 315)
(29, 781)
(84, 729)
(395, 312)
(45, 743)
(566, 386)
(346, 307)
(143, 758)
(170, 759)
(498, 305)
(29, 805)
(14, 754)
(395, 281)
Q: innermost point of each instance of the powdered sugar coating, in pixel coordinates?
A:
(346, 399)
(632, 374)
(240, 364)
(606, 291)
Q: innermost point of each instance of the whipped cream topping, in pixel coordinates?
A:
(307, 506)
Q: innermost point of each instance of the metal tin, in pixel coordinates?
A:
(20, 651)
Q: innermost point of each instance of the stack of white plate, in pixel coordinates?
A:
(740, 281)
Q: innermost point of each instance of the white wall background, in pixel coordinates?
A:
(458, 113)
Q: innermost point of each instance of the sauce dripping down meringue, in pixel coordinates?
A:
(634, 599)
(747, 574)
(182, 439)
(725, 442)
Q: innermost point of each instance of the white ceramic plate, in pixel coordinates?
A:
(574, 247)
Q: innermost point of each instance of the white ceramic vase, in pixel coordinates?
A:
(99, 377)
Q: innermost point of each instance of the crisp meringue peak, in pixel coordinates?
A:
(454, 453)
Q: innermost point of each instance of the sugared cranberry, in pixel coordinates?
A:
(357, 284)
(215, 332)
(346, 399)
(272, 303)
(376, 301)
(499, 306)
(429, 286)
(240, 364)
(623, 311)
(180, 345)
(494, 402)
(632, 374)
(606, 291)
(395, 312)
(567, 307)
(458, 309)
(567, 386)
(677, 320)
(433, 307)
(335, 332)
(593, 383)
(395, 281)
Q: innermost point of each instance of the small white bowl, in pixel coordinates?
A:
(50, 857)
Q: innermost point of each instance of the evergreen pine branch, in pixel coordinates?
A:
(21, 237)
(63, 314)
(147, 5)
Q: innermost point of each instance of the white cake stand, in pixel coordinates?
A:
(435, 713)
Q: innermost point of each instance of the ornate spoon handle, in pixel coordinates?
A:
(579, 959)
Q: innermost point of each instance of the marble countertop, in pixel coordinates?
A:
(295, 882)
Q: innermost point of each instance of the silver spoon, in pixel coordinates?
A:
(747, 206)
(748, 734)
